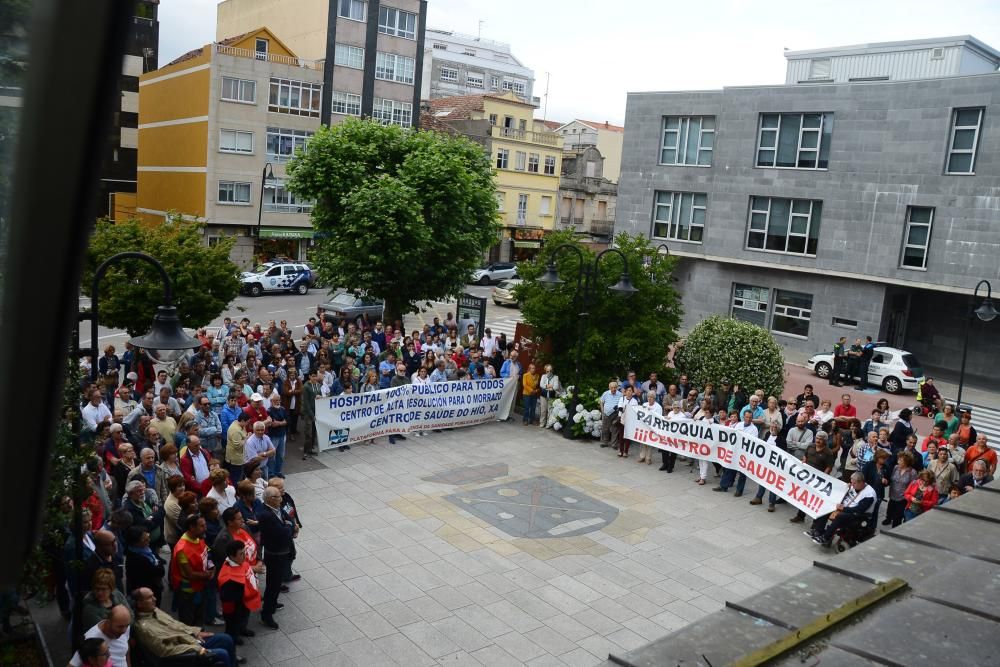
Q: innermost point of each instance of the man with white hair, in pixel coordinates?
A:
(153, 475)
(258, 447)
(96, 413)
(851, 511)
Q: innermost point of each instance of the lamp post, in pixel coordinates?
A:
(985, 312)
(165, 342)
(267, 174)
(588, 276)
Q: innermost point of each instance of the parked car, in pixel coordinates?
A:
(344, 305)
(503, 294)
(494, 273)
(891, 368)
(271, 277)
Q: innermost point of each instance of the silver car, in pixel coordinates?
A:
(503, 294)
(494, 273)
(344, 305)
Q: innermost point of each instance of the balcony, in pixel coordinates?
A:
(515, 134)
(269, 57)
(602, 227)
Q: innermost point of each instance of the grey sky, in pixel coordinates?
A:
(596, 51)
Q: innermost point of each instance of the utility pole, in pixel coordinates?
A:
(545, 109)
(480, 35)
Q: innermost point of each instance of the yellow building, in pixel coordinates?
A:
(526, 158)
(211, 123)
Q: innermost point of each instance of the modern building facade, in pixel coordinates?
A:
(371, 51)
(216, 129)
(827, 209)
(526, 158)
(118, 173)
(457, 64)
(607, 138)
(586, 198)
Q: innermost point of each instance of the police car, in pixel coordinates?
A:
(272, 277)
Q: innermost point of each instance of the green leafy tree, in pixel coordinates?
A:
(204, 278)
(622, 334)
(743, 353)
(403, 216)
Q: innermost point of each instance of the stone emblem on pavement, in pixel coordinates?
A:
(536, 507)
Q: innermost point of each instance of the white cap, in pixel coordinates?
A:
(256, 397)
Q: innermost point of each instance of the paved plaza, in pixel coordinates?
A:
(505, 544)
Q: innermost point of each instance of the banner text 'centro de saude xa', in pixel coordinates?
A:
(808, 489)
(348, 418)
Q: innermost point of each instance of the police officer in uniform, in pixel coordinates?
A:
(839, 361)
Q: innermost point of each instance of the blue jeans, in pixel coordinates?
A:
(728, 476)
(771, 499)
(221, 646)
(529, 403)
(277, 464)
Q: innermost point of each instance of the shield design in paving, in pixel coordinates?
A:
(536, 507)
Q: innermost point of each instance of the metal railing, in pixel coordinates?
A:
(276, 58)
(547, 138)
(602, 227)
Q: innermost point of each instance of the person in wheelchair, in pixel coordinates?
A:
(929, 398)
(854, 509)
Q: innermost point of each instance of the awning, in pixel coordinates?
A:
(286, 233)
(527, 244)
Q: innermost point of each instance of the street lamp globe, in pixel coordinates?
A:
(550, 279)
(624, 286)
(166, 341)
(986, 312)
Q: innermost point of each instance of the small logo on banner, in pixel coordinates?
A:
(339, 436)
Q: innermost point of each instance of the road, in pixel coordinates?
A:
(297, 310)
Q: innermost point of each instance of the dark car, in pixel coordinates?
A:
(344, 304)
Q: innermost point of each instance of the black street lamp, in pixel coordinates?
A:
(267, 174)
(586, 284)
(985, 312)
(166, 342)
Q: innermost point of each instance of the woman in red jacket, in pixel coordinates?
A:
(238, 591)
(921, 495)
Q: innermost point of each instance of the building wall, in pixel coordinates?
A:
(301, 24)
(887, 152)
(467, 53)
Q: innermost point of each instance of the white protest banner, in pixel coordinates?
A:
(805, 487)
(347, 418)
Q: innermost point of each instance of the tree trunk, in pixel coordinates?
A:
(392, 310)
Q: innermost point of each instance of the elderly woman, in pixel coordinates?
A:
(169, 461)
(254, 473)
(902, 475)
(122, 468)
(103, 595)
(222, 491)
(651, 406)
(921, 495)
(944, 470)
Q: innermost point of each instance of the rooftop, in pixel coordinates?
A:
(904, 45)
(462, 106)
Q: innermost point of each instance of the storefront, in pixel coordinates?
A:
(525, 243)
(284, 243)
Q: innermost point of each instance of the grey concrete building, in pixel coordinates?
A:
(827, 209)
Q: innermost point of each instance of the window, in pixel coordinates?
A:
(474, 80)
(546, 206)
(349, 56)
(277, 199)
(522, 124)
(550, 165)
(516, 85)
(680, 216)
(440, 47)
(501, 198)
(845, 323)
(260, 49)
(784, 225)
(494, 82)
(917, 238)
(750, 304)
(390, 67)
(502, 156)
(819, 68)
(239, 90)
(794, 140)
(397, 22)
(522, 209)
(468, 52)
(688, 140)
(298, 98)
(352, 9)
(493, 119)
(282, 143)
(792, 311)
(391, 112)
(533, 162)
(965, 125)
(449, 74)
(346, 103)
(235, 141)
(519, 160)
(232, 192)
(591, 168)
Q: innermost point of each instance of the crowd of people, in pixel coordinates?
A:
(880, 456)
(187, 523)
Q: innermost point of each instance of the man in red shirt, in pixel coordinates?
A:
(256, 411)
(845, 412)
